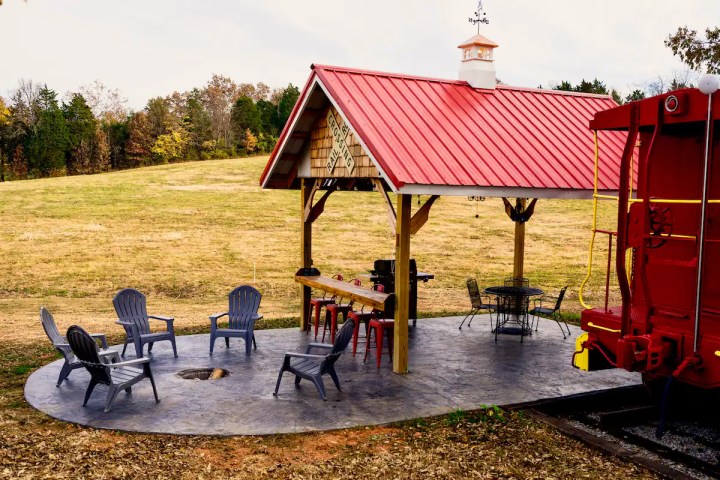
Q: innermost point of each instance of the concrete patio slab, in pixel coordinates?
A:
(450, 369)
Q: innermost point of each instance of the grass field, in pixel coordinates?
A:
(186, 234)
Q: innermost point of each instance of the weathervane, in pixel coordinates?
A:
(480, 16)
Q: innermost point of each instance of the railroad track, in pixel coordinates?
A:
(623, 422)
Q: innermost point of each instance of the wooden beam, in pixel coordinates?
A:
(519, 255)
(319, 207)
(422, 215)
(306, 192)
(402, 284)
(307, 208)
(392, 217)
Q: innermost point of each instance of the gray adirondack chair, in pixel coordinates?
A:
(312, 366)
(131, 308)
(61, 345)
(243, 304)
(117, 376)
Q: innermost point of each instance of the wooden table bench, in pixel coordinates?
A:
(366, 296)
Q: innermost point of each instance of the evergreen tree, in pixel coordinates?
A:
(48, 140)
(81, 126)
(635, 95)
(285, 106)
(198, 125)
(244, 116)
(268, 117)
(117, 134)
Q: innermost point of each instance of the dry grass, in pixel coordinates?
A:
(186, 234)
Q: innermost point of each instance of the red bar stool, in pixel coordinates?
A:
(333, 310)
(380, 327)
(317, 303)
(364, 317)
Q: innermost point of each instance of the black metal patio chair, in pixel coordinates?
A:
(478, 302)
(552, 312)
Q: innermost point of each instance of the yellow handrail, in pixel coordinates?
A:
(612, 330)
(594, 223)
(669, 200)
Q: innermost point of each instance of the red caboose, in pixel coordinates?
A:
(667, 255)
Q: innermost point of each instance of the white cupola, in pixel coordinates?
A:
(477, 66)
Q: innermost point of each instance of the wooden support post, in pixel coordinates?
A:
(306, 192)
(519, 258)
(402, 283)
(392, 216)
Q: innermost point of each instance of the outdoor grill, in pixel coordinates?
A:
(383, 273)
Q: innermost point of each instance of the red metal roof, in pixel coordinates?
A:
(443, 136)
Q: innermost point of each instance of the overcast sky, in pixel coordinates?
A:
(150, 48)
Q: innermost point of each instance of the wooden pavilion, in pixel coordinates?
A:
(408, 135)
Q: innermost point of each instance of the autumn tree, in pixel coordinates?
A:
(25, 102)
(140, 140)
(218, 97)
(5, 122)
(158, 116)
(107, 104)
(697, 52)
(171, 146)
(177, 104)
(248, 142)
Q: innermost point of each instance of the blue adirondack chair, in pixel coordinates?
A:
(117, 376)
(61, 345)
(313, 366)
(243, 304)
(131, 308)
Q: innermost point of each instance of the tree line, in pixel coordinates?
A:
(696, 52)
(91, 131)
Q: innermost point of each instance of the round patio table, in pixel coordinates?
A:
(512, 301)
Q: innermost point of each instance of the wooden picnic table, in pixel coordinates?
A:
(366, 296)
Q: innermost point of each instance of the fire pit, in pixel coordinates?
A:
(203, 374)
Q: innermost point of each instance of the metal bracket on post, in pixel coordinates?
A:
(518, 213)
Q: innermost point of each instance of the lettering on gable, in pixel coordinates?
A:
(340, 150)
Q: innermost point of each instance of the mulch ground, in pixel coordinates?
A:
(485, 443)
